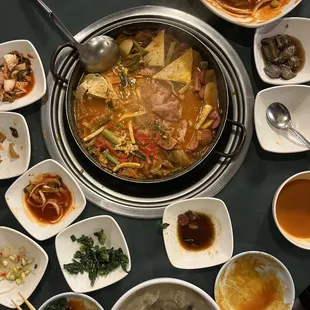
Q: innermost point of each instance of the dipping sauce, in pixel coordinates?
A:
(196, 231)
(293, 208)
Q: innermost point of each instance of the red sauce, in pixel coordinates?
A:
(30, 85)
(48, 214)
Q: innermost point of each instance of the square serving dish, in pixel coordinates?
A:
(25, 47)
(296, 98)
(15, 240)
(65, 250)
(218, 253)
(15, 200)
(10, 168)
(293, 26)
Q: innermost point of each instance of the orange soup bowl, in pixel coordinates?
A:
(291, 209)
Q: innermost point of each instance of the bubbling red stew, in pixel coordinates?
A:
(154, 113)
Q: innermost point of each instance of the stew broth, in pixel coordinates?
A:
(147, 120)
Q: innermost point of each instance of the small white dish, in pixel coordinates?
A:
(301, 243)
(65, 250)
(25, 47)
(12, 168)
(293, 26)
(90, 303)
(15, 240)
(247, 22)
(14, 198)
(296, 98)
(266, 265)
(218, 253)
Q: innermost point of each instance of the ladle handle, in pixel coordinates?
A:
(56, 21)
(300, 136)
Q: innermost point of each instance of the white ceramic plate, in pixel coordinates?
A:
(65, 250)
(12, 168)
(296, 98)
(301, 243)
(15, 240)
(25, 47)
(14, 198)
(266, 264)
(222, 248)
(89, 301)
(247, 22)
(293, 26)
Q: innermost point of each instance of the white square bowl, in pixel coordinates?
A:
(293, 26)
(14, 239)
(296, 98)
(14, 198)
(219, 252)
(13, 168)
(25, 47)
(247, 22)
(65, 250)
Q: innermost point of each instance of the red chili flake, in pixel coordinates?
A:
(3, 274)
(30, 56)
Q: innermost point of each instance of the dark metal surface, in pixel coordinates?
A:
(248, 196)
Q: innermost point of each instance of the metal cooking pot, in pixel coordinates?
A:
(182, 34)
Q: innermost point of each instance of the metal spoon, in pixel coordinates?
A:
(98, 54)
(279, 116)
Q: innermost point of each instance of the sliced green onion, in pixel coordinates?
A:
(109, 135)
(139, 155)
(112, 159)
(170, 52)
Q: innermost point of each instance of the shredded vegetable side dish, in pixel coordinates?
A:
(154, 113)
(16, 76)
(15, 266)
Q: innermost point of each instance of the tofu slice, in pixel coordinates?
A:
(179, 71)
(156, 51)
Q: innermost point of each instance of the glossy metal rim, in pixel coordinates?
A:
(57, 143)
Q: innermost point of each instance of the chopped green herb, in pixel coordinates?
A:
(73, 238)
(59, 304)
(96, 260)
(161, 225)
(101, 236)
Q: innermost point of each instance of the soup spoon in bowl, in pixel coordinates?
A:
(279, 116)
(97, 54)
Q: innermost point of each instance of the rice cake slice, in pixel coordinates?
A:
(179, 71)
(156, 51)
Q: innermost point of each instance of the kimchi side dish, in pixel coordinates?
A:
(154, 113)
(16, 77)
